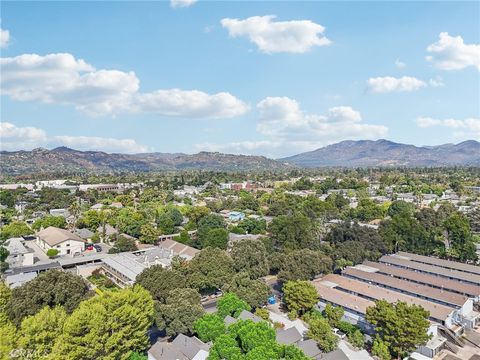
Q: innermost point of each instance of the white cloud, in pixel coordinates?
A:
(437, 82)
(295, 36)
(285, 126)
(389, 84)
(4, 38)
(101, 144)
(62, 79)
(182, 3)
(27, 138)
(468, 128)
(180, 103)
(14, 138)
(451, 53)
(400, 64)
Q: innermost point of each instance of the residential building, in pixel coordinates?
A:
(19, 255)
(124, 268)
(62, 240)
(181, 348)
(182, 250)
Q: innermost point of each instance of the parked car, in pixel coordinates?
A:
(97, 247)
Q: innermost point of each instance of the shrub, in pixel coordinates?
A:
(52, 253)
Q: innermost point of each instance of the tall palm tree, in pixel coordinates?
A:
(74, 209)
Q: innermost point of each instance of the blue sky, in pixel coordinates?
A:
(270, 78)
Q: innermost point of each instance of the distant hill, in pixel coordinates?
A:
(68, 160)
(387, 153)
(363, 153)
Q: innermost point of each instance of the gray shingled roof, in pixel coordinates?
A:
(288, 336)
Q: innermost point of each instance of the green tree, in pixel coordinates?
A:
(252, 335)
(166, 224)
(333, 314)
(91, 220)
(320, 331)
(39, 332)
(8, 336)
(209, 270)
(460, 236)
(292, 352)
(299, 296)
(179, 312)
(137, 356)
(231, 304)
(380, 349)
(294, 232)
(50, 288)
(122, 244)
(176, 216)
(3, 253)
(254, 292)
(195, 213)
(400, 326)
(225, 347)
(55, 221)
(209, 327)
(15, 229)
(130, 222)
(262, 313)
(250, 256)
(303, 264)
(184, 238)
(217, 238)
(109, 326)
(5, 296)
(367, 210)
(400, 207)
(206, 224)
(356, 338)
(160, 281)
(148, 234)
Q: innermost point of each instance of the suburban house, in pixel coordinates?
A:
(62, 240)
(18, 254)
(182, 250)
(182, 348)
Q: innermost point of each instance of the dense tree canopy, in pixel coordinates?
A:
(50, 288)
(231, 304)
(254, 292)
(160, 281)
(179, 311)
(303, 264)
(56, 221)
(400, 326)
(299, 296)
(108, 326)
(209, 327)
(15, 229)
(294, 232)
(250, 256)
(38, 333)
(209, 270)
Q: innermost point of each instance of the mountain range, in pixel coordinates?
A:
(363, 153)
(368, 153)
(66, 160)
